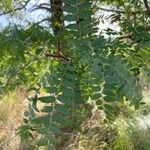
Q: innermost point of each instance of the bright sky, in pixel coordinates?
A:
(25, 17)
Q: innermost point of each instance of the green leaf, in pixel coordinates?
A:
(51, 89)
(42, 142)
(96, 96)
(99, 102)
(72, 27)
(56, 130)
(38, 50)
(109, 107)
(64, 99)
(70, 2)
(96, 88)
(70, 9)
(47, 99)
(47, 109)
(110, 99)
(53, 140)
(42, 130)
(34, 103)
(85, 15)
(84, 7)
(60, 119)
(100, 107)
(70, 18)
(62, 109)
(45, 120)
(70, 77)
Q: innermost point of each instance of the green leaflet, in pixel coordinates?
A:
(55, 130)
(60, 119)
(84, 7)
(62, 109)
(47, 99)
(70, 2)
(96, 96)
(42, 130)
(64, 99)
(85, 15)
(47, 109)
(99, 102)
(70, 9)
(42, 142)
(70, 17)
(45, 120)
(53, 140)
(50, 89)
(73, 27)
(110, 98)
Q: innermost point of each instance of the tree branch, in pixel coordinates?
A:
(43, 20)
(57, 56)
(41, 7)
(147, 6)
(16, 9)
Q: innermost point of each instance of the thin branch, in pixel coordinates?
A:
(147, 6)
(43, 20)
(46, 4)
(57, 56)
(16, 9)
(41, 7)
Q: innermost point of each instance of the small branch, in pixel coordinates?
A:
(43, 20)
(147, 28)
(41, 7)
(16, 9)
(45, 4)
(57, 56)
(147, 6)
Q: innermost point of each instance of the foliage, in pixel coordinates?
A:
(21, 62)
(132, 134)
(77, 65)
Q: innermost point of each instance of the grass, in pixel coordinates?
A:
(11, 110)
(133, 133)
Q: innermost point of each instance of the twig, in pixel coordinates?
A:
(147, 6)
(57, 56)
(43, 20)
(41, 7)
(20, 8)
